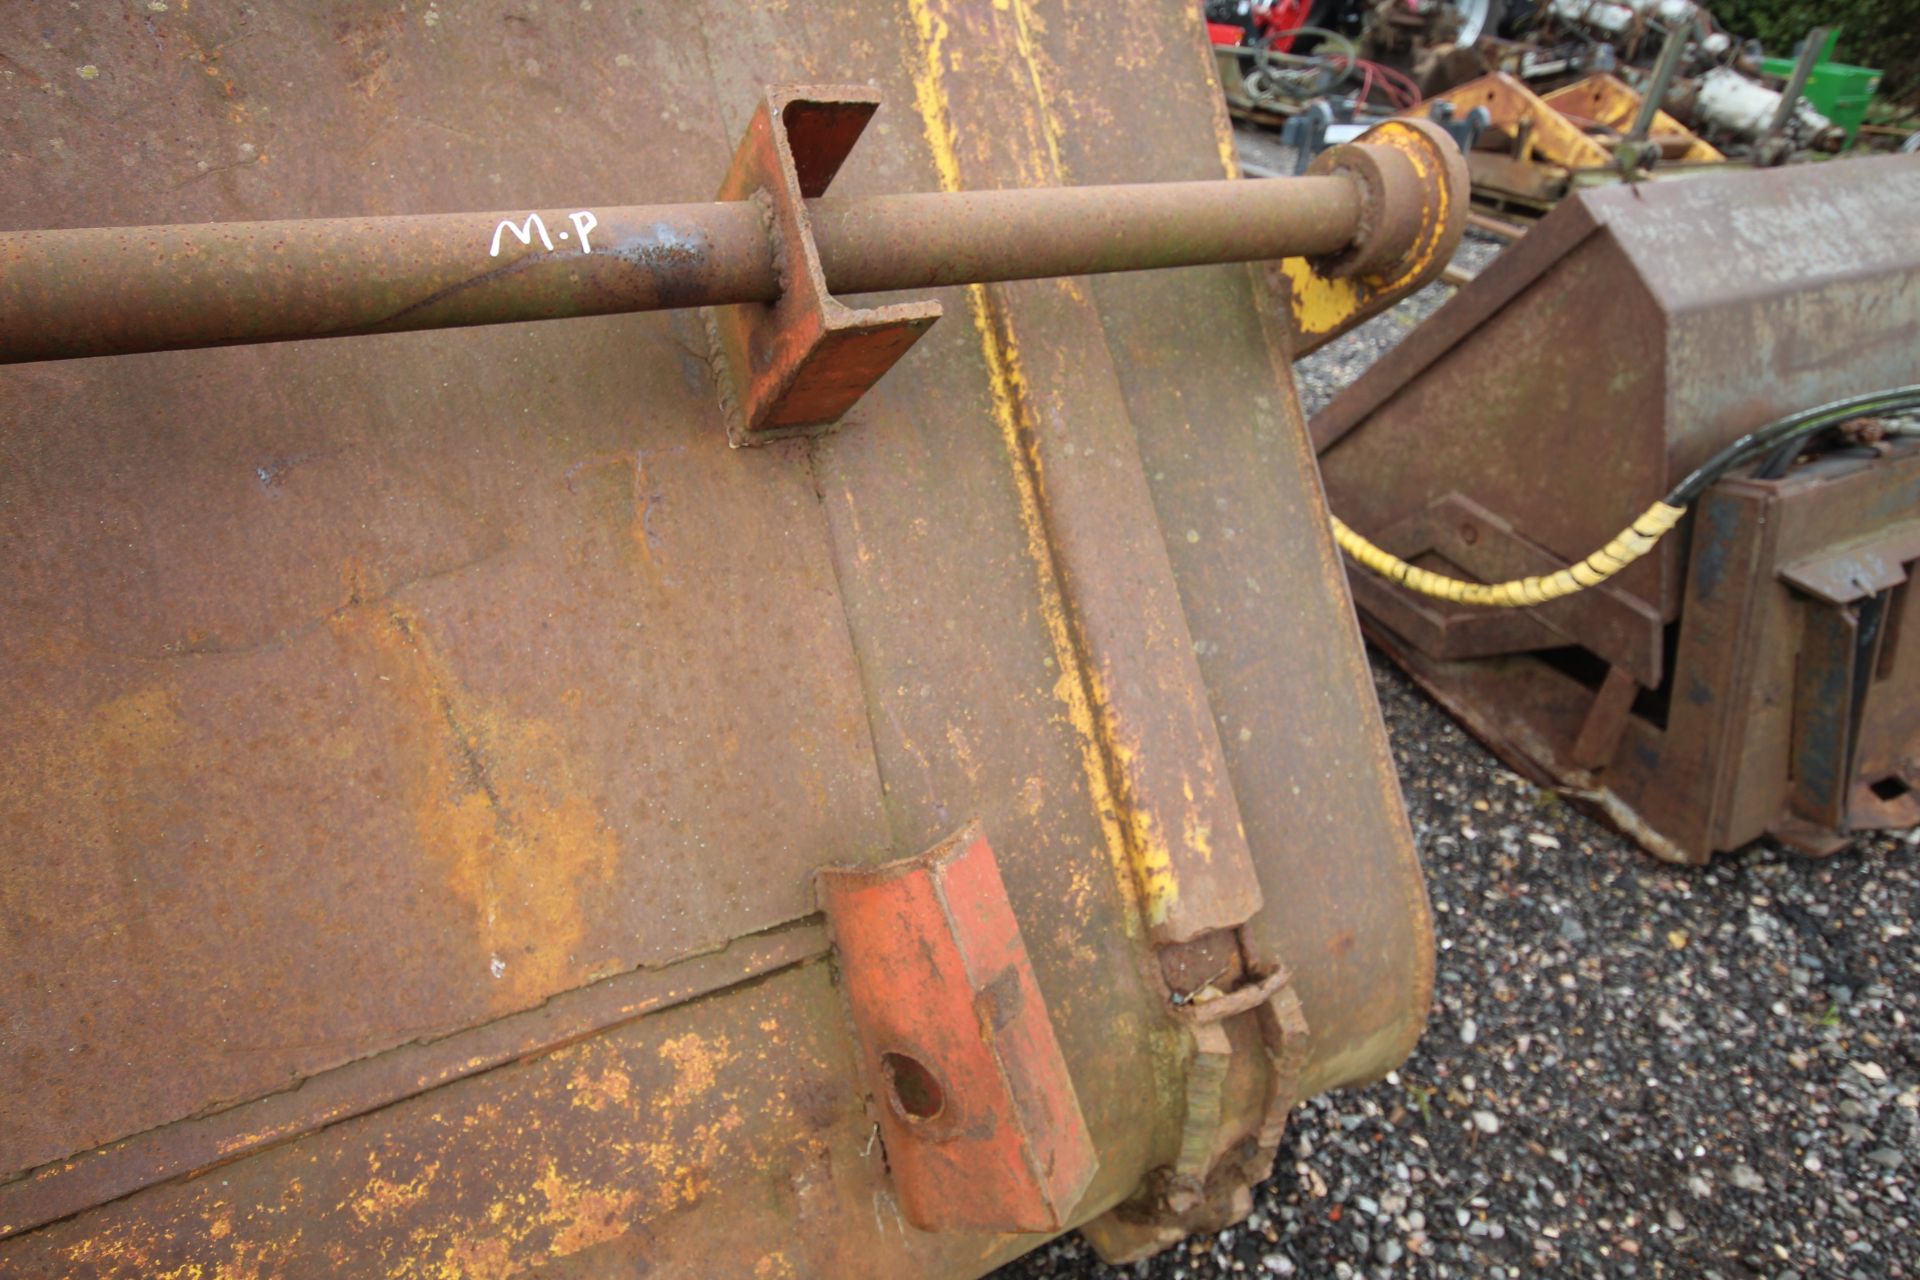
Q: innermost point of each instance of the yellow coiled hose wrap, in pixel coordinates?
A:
(1632, 542)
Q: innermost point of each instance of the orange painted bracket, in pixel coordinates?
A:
(1611, 101)
(798, 364)
(1554, 138)
(982, 1126)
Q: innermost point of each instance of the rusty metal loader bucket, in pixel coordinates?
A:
(1758, 671)
(634, 755)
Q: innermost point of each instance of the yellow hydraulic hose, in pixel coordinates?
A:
(1639, 537)
(1632, 542)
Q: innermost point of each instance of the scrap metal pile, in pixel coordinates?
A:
(1574, 92)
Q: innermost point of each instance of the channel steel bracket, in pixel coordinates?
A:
(796, 365)
(982, 1127)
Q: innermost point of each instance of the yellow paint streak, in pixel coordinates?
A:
(1197, 833)
(597, 1093)
(1144, 875)
(1149, 855)
(963, 753)
(114, 1249)
(929, 92)
(1320, 304)
(382, 1197)
(1429, 242)
(490, 1258)
(557, 1212)
(1222, 122)
(581, 1214)
(1051, 127)
(1144, 863)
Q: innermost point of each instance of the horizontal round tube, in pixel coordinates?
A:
(114, 290)
(879, 243)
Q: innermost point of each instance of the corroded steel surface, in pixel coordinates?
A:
(1621, 343)
(386, 716)
(112, 290)
(964, 236)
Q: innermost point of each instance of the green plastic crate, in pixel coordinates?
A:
(1836, 90)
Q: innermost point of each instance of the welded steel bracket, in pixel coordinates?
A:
(982, 1126)
(1416, 191)
(798, 364)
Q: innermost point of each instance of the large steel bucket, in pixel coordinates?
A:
(1757, 673)
(420, 748)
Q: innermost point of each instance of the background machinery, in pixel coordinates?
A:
(1738, 351)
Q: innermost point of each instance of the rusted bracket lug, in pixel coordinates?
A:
(1414, 188)
(982, 1126)
(797, 365)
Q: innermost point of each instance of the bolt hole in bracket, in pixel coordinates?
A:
(981, 1122)
(914, 1091)
(795, 366)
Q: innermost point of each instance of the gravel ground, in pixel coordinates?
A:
(1630, 1070)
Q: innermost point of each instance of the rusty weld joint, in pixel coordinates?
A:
(1240, 1000)
(1208, 1185)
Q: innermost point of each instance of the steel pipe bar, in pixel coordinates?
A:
(116, 290)
(882, 243)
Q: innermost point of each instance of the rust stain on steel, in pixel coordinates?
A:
(476, 775)
(982, 1127)
(1748, 704)
(194, 1146)
(516, 855)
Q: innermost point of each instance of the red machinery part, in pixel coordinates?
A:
(1276, 23)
